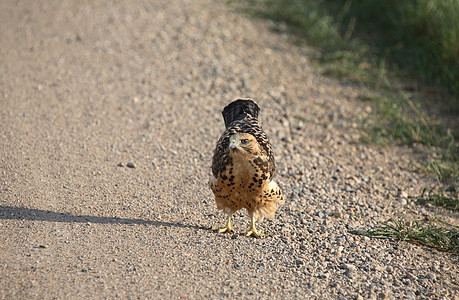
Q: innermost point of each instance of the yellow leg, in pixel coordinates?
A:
(253, 231)
(228, 228)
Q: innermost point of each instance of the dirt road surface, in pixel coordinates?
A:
(87, 87)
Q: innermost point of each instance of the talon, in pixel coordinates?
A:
(228, 228)
(256, 234)
(253, 231)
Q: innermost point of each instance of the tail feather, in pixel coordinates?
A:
(239, 109)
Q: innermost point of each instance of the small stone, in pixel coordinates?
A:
(320, 214)
(43, 246)
(120, 164)
(410, 276)
(351, 274)
(322, 275)
(334, 284)
(350, 267)
(403, 194)
(402, 201)
(379, 268)
(385, 282)
(130, 165)
(338, 214)
(294, 196)
(348, 188)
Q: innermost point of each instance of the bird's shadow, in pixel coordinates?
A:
(32, 214)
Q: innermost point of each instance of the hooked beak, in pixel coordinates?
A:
(234, 143)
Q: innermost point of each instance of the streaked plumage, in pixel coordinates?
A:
(243, 166)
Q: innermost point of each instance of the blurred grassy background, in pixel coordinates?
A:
(405, 53)
(417, 36)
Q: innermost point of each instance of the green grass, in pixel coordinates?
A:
(446, 167)
(398, 118)
(427, 233)
(310, 23)
(357, 39)
(444, 170)
(396, 49)
(447, 199)
(376, 43)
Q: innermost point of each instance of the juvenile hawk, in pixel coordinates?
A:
(243, 167)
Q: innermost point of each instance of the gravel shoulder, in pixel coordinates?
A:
(86, 88)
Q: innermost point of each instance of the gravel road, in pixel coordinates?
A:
(110, 112)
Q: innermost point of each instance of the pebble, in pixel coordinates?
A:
(403, 194)
(348, 267)
(431, 276)
(338, 214)
(322, 275)
(130, 165)
(299, 262)
(351, 274)
(385, 282)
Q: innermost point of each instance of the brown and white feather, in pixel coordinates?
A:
(242, 176)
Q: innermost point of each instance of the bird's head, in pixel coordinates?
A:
(244, 144)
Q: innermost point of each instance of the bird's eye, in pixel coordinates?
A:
(244, 141)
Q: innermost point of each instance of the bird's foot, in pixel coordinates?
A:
(223, 230)
(228, 228)
(256, 234)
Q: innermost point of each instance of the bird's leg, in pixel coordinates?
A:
(253, 231)
(228, 228)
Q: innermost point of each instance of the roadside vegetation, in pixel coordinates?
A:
(406, 55)
(431, 233)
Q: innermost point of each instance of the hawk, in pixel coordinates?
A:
(243, 167)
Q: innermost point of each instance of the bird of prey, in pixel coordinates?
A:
(243, 167)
